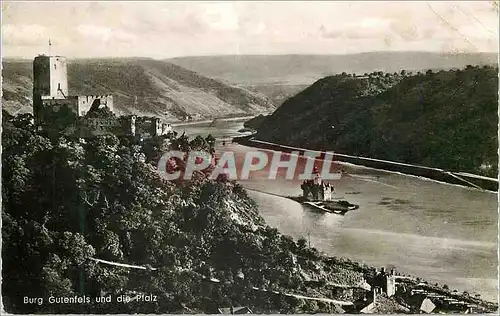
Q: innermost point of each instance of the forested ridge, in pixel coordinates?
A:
(65, 201)
(139, 86)
(445, 119)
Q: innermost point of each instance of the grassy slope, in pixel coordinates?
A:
(17, 86)
(161, 88)
(446, 119)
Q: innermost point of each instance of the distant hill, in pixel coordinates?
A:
(305, 69)
(446, 119)
(282, 76)
(277, 92)
(161, 88)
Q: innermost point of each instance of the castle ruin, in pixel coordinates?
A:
(81, 115)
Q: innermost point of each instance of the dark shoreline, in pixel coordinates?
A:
(469, 180)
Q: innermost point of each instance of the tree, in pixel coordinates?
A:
(302, 244)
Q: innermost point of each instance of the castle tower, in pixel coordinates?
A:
(50, 77)
(157, 127)
(50, 81)
(133, 119)
(317, 179)
(390, 285)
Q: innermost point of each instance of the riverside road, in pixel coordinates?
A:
(443, 233)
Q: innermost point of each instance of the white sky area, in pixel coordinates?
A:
(170, 29)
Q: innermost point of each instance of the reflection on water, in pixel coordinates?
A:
(443, 233)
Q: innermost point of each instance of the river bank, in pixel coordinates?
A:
(459, 178)
(452, 229)
(223, 119)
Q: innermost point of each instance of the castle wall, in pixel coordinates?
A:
(99, 126)
(57, 104)
(55, 114)
(162, 128)
(166, 128)
(143, 126)
(151, 126)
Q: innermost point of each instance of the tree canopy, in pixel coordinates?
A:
(445, 119)
(66, 201)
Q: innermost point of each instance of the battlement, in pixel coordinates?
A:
(96, 96)
(43, 55)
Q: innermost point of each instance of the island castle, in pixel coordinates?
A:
(81, 115)
(317, 190)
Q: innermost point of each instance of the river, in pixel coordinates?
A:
(442, 233)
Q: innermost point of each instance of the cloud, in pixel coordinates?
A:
(95, 32)
(409, 31)
(23, 35)
(368, 28)
(221, 17)
(105, 34)
(200, 28)
(325, 33)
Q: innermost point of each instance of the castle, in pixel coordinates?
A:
(316, 189)
(81, 115)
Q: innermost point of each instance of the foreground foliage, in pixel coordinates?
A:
(66, 201)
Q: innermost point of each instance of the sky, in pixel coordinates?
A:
(181, 28)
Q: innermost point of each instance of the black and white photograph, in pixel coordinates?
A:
(249, 157)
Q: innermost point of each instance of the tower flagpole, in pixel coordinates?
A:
(50, 46)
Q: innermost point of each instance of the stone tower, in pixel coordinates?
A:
(391, 283)
(132, 122)
(157, 127)
(50, 77)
